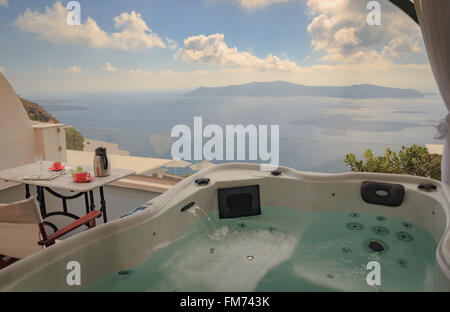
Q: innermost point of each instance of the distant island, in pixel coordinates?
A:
(64, 108)
(286, 89)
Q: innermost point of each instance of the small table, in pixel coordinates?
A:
(64, 182)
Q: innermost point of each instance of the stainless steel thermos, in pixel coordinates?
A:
(102, 166)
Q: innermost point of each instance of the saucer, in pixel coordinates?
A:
(82, 181)
(54, 169)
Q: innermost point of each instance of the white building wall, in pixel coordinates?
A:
(21, 139)
(17, 139)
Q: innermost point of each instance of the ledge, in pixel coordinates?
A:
(146, 183)
(42, 125)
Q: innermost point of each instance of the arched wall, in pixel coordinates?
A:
(17, 139)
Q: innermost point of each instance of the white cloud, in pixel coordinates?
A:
(340, 31)
(73, 69)
(167, 73)
(4, 3)
(133, 32)
(258, 4)
(252, 4)
(213, 50)
(402, 44)
(172, 44)
(108, 67)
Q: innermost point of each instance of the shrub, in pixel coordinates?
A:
(74, 139)
(414, 160)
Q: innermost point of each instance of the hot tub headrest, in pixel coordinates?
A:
(380, 193)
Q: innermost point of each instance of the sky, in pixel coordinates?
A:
(154, 45)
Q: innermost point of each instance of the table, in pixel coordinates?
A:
(64, 182)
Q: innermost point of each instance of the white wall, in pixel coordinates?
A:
(17, 143)
(50, 141)
(21, 139)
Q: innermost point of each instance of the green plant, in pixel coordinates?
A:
(74, 139)
(414, 160)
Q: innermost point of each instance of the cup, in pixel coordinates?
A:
(57, 165)
(82, 176)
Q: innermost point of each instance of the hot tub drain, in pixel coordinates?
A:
(376, 246)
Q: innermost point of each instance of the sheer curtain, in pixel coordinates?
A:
(434, 19)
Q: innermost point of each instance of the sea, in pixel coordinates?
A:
(315, 133)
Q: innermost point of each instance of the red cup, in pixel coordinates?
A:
(57, 165)
(82, 176)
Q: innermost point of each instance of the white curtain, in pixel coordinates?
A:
(434, 19)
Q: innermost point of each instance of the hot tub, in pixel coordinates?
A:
(234, 227)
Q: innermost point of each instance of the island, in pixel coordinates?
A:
(287, 89)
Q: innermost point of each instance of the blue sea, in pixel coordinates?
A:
(315, 132)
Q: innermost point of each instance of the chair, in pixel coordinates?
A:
(22, 230)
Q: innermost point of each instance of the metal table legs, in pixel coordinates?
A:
(88, 200)
(103, 205)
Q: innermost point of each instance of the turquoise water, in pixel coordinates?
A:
(286, 250)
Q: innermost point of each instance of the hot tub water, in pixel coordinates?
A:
(286, 250)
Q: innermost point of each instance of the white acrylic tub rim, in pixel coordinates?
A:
(103, 249)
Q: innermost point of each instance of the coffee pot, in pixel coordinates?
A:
(102, 166)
